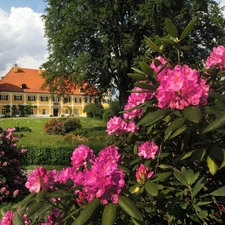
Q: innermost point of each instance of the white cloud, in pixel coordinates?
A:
(22, 39)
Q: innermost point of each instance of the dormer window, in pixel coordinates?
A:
(23, 86)
(81, 89)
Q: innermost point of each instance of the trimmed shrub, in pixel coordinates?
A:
(38, 155)
(71, 124)
(54, 126)
(62, 125)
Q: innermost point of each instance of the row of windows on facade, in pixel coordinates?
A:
(45, 99)
(43, 112)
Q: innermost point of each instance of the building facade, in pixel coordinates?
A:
(21, 94)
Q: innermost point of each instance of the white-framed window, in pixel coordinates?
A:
(77, 111)
(44, 98)
(4, 97)
(67, 111)
(43, 111)
(18, 112)
(77, 100)
(3, 111)
(66, 99)
(31, 98)
(17, 97)
(31, 111)
(55, 99)
(87, 100)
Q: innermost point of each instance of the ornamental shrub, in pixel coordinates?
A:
(166, 155)
(12, 175)
(54, 126)
(62, 125)
(71, 124)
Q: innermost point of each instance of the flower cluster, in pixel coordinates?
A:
(101, 179)
(216, 58)
(12, 178)
(148, 150)
(40, 179)
(135, 99)
(181, 87)
(118, 126)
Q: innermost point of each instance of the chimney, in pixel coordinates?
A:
(40, 71)
(15, 68)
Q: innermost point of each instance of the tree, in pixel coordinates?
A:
(100, 41)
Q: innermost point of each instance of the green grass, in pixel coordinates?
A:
(38, 135)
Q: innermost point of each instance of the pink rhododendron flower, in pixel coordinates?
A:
(102, 180)
(40, 179)
(118, 126)
(148, 150)
(81, 155)
(182, 87)
(65, 174)
(7, 219)
(16, 192)
(216, 58)
(135, 99)
(142, 174)
(156, 68)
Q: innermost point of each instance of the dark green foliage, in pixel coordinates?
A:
(94, 110)
(38, 155)
(113, 110)
(20, 129)
(100, 41)
(71, 124)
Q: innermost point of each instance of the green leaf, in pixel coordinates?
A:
(17, 220)
(130, 208)
(171, 28)
(153, 116)
(32, 209)
(175, 124)
(146, 68)
(87, 212)
(188, 29)
(219, 192)
(151, 188)
(145, 86)
(167, 41)
(198, 186)
(218, 122)
(179, 131)
(42, 194)
(211, 165)
(193, 114)
(187, 155)
(137, 76)
(190, 176)
(164, 166)
(109, 214)
(161, 176)
(138, 71)
(152, 45)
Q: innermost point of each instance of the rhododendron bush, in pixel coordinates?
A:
(12, 176)
(165, 158)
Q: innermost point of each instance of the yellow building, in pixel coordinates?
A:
(21, 93)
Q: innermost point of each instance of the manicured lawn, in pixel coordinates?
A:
(38, 135)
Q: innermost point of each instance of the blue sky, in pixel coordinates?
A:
(36, 5)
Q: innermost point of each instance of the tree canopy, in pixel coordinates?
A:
(100, 41)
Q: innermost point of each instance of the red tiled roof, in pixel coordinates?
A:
(12, 82)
